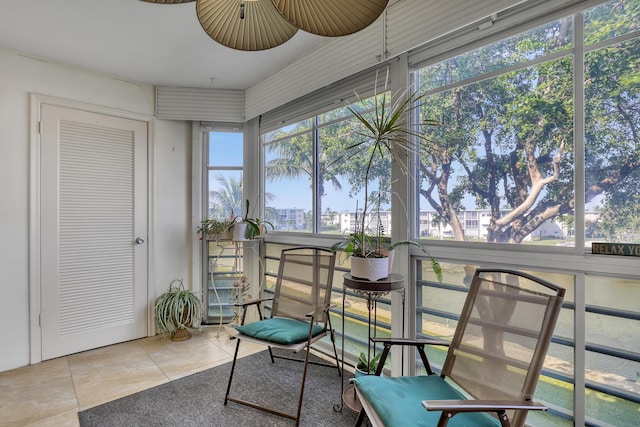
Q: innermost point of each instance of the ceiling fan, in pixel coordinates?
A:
(253, 25)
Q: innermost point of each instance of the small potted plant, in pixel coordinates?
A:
(363, 247)
(366, 366)
(213, 229)
(249, 228)
(177, 309)
(376, 247)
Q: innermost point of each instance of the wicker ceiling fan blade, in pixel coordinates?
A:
(244, 25)
(331, 18)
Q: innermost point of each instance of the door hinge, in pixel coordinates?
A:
(40, 128)
(40, 320)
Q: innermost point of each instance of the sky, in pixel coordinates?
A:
(226, 150)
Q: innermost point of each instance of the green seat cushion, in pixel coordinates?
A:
(397, 401)
(279, 330)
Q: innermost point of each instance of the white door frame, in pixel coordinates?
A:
(36, 101)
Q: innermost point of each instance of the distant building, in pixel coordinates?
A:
(475, 223)
(290, 219)
(348, 222)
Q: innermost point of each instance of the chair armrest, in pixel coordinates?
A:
(246, 304)
(408, 341)
(455, 406)
(319, 311)
(252, 302)
(417, 343)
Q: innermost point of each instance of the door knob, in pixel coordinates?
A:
(139, 240)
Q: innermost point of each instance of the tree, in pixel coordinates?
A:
(295, 159)
(227, 201)
(507, 140)
(292, 154)
(612, 125)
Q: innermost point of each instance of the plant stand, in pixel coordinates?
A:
(372, 291)
(224, 279)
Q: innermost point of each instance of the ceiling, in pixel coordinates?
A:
(159, 44)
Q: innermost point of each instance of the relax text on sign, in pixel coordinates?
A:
(624, 249)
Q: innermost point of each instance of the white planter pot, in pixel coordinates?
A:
(369, 268)
(240, 231)
(390, 254)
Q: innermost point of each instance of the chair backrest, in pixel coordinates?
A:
(304, 282)
(502, 337)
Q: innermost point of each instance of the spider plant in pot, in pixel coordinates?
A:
(177, 309)
(382, 135)
(214, 229)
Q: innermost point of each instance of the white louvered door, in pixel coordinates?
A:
(93, 208)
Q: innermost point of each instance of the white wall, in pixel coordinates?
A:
(170, 151)
(171, 248)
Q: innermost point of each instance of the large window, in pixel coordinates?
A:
(505, 148)
(289, 171)
(612, 122)
(521, 157)
(224, 175)
(538, 146)
(313, 181)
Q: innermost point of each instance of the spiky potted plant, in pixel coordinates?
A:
(382, 134)
(176, 310)
(366, 365)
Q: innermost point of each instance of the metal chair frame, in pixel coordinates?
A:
(500, 407)
(320, 315)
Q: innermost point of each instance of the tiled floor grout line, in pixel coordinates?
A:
(73, 383)
(153, 361)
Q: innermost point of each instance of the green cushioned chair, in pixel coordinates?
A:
(299, 315)
(492, 366)
(280, 330)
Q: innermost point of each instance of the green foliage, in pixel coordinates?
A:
(226, 202)
(293, 156)
(368, 366)
(213, 227)
(383, 135)
(177, 308)
(380, 135)
(353, 244)
(507, 140)
(255, 226)
(362, 244)
(356, 244)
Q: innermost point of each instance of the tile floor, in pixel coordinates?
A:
(52, 392)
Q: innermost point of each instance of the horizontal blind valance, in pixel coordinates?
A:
(340, 58)
(325, 99)
(412, 23)
(220, 105)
